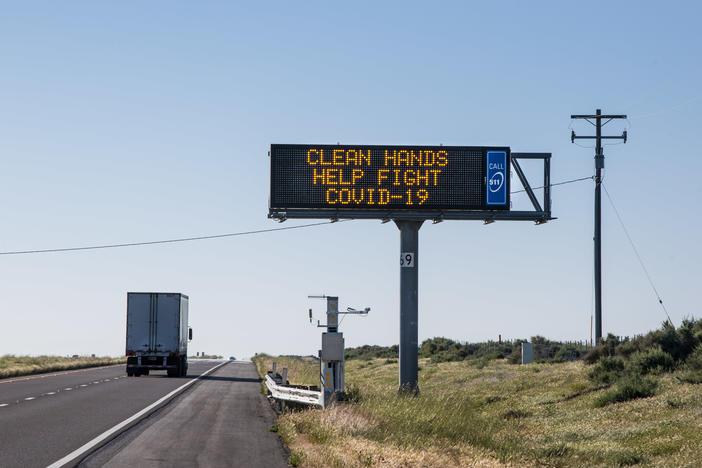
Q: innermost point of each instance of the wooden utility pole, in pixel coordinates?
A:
(599, 165)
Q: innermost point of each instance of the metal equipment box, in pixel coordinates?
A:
(332, 347)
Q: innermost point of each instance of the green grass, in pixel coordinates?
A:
(629, 387)
(13, 366)
(296, 458)
(496, 414)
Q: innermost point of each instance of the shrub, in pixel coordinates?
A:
(629, 387)
(442, 346)
(675, 403)
(515, 414)
(610, 343)
(627, 348)
(669, 341)
(607, 370)
(691, 377)
(297, 457)
(352, 394)
(595, 354)
(649, 340)
(516, 356)
(539, 340)
(368, 352)
(693, 365)
(688, 340)
(627, 459)
(653, 361)
(448, 356)
(567, 353)
(694, 360)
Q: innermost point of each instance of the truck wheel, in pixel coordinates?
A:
(146, 372)
(172, 372)
(130, 374)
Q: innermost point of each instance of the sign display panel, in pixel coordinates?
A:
(496, 178)
(389, 178)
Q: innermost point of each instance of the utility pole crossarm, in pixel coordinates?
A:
(598, 116)
(603, 137)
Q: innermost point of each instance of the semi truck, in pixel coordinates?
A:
(157, 333)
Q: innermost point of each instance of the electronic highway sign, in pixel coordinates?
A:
(389, 178)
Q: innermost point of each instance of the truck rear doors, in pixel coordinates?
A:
(153, 323)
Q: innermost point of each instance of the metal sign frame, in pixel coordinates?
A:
(409, 223)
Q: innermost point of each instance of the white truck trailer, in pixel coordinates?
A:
(157, 333)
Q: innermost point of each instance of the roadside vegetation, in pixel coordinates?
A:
(631, 402)
(302, 370)
(13, 366)
(440, 349)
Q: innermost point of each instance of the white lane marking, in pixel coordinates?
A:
(96, 441)
(3, 404)
(116, 378)
(54, 393)
(43, 376)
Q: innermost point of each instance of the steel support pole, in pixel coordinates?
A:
(599, 165)
(409, 282)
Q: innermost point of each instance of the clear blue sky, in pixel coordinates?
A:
(128, 122)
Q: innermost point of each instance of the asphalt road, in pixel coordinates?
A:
(45, 417)
(223, 421)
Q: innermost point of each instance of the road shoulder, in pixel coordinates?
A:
(223, 421)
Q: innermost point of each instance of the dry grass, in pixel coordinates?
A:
(497, 415)
(302, 370)
(12, 366)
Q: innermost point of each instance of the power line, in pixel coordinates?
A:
(583, 146)
(559, 183)
(215, 236)
(631, 242)
(168, 241)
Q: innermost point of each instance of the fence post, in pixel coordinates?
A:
(285, 375)
(274, 369)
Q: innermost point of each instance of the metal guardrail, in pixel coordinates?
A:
(299, 395)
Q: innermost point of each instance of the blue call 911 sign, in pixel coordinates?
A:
(496, 187)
